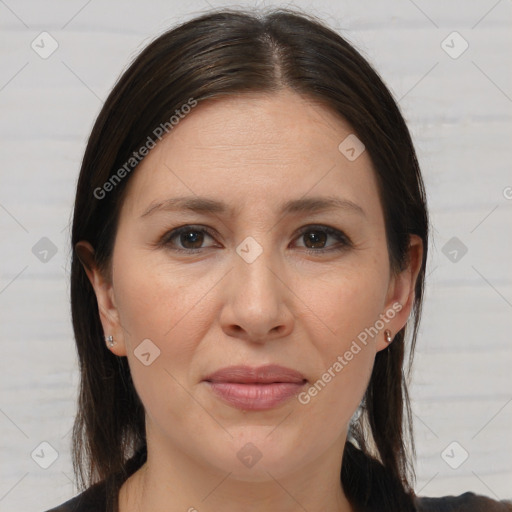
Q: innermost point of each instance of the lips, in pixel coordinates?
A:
(256, 389)
(263, 375)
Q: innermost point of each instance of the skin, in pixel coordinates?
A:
(209, 309)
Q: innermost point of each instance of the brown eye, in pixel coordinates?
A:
(315, 239)
(187, 239)
(191, 239)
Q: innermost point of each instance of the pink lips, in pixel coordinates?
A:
(255, 389)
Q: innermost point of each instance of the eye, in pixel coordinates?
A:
(315, 239)
(187, 238)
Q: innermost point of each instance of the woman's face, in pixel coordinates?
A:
(281, 260)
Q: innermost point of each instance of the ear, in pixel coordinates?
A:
(401, 292)
(104, 292)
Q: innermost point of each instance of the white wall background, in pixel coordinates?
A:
(460, 112)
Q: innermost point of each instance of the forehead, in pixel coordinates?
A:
(253, 149)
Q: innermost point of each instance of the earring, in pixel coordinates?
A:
(110, 341)
(387, 335)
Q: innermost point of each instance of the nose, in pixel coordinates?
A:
(257, 300)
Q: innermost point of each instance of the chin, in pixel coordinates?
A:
(253, 456)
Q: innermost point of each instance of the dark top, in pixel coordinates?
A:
(93, 500)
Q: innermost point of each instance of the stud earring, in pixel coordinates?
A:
(110, 341)
(387, 336)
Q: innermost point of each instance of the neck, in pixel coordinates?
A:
(171, 481)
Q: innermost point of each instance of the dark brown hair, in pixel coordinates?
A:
(217, 54)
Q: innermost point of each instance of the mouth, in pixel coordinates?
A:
(255, 389)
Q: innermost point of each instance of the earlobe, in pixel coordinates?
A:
(104, 296)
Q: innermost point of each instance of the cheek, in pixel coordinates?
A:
(164, 308)
(343, 308)
(155, 301)
(159, 304)
(346, 303)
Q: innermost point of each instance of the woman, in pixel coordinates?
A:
(250, 236)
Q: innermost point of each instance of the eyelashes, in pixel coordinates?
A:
(315, 239)
(169, 238)
(343, 241)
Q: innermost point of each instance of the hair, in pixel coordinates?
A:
(215, 55)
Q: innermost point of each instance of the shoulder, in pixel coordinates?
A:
(467, 502)
(92, 499)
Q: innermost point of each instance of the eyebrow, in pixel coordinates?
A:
(205, 205)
